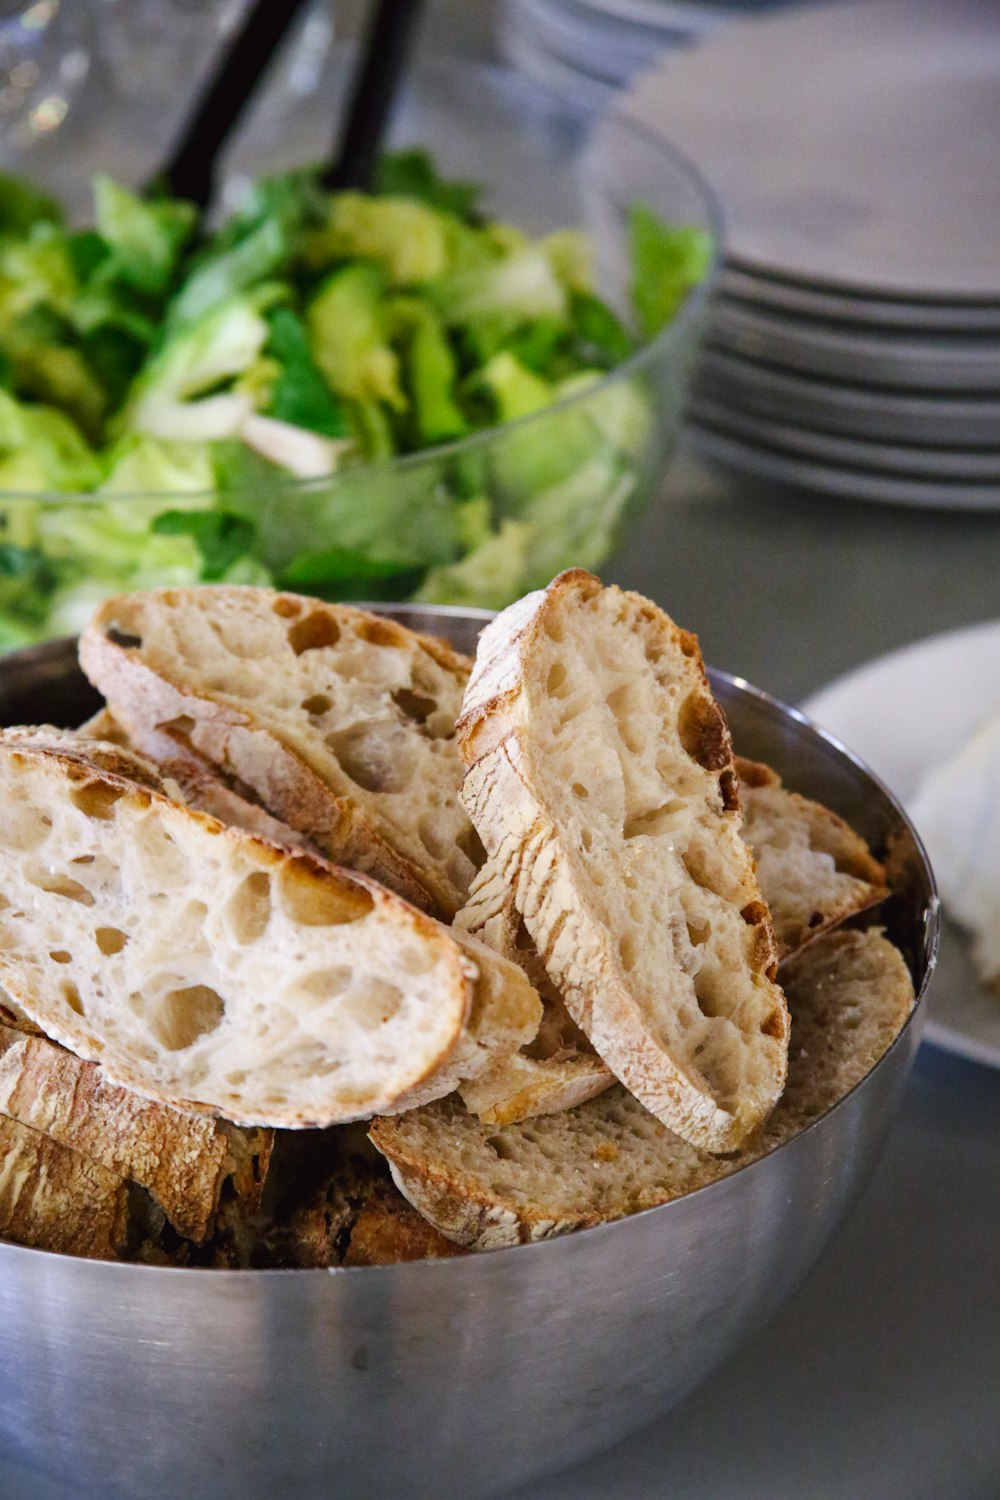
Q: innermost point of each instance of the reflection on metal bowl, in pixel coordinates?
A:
(439, 1378)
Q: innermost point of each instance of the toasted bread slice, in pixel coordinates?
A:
(557, 1068)
(208, 969)
(601, 782)
(814, 870)
(485, 1186)
(185, 1161)
(53, 1198)
(340, 723)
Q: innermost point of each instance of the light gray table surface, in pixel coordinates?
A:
(880, 1379)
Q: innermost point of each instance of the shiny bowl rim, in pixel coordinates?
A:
(686, 317)
(58, 647)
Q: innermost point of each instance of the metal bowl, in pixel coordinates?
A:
(440, 1378)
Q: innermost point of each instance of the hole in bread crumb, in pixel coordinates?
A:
(249, 908)
(122, 638)
(60, 956)
(556, 679)
(317, 705)
(96, 799)
(415, 961)
(553, 627)
(414, 706)
(372, 1005)
(754, 913)
(502, 1147)
(323, 984)
(653, 820)
(816, 919)
(287, 607)
(181, 1016)
(579, 790)
(321, 900)
(71, 995)
(110, 940)
(703, 733)
(773, 1025)
(313, 632)
(60, 885)
(627, 951)
(377, 632)
(378, 757)
(624, 703)
(699, 932)
(586, 839)
(83, 859)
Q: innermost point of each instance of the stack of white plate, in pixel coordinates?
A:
(854, 346)
(586, 49)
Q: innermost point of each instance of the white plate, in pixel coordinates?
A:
(853, 145)
(923, 418)
(799, 298)
(903, 713)
(719, 445)
(916, 361)
(894, 460)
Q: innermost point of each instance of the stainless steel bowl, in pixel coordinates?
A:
(440, 1378)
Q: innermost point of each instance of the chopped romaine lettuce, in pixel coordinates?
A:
(666, 263)
(223, 404)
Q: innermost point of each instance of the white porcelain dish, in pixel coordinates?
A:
(904, 713)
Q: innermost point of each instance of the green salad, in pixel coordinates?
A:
(221, 405)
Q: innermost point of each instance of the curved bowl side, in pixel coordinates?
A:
(438, 1378)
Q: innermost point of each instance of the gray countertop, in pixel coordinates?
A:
(881, 1377)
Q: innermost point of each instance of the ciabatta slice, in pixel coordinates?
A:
(557, 1068)
(486, 1185)
(601, 782)
(814, 870)
(339, 723)
(208, 969)
(185, 1161)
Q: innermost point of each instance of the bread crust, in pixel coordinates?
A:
(485, 1187)
(541, 863)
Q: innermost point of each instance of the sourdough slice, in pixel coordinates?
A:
(185, 1161)
(814, 870)
(198, 784)
(52, 1198)
(601, 782)
(486, 1186)
(504, 1012)
(814, 873)
(207, 969)
(557, 1068)
(340, 723)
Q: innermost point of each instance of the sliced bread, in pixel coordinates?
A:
(557, 1068)
(208, 969)
(601, 781)
(814, 873)
(185, 1161)
(486, 1186)
(54, 1198)
(814, 870)
(339, 723)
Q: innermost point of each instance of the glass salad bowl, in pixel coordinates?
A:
(551, 481)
